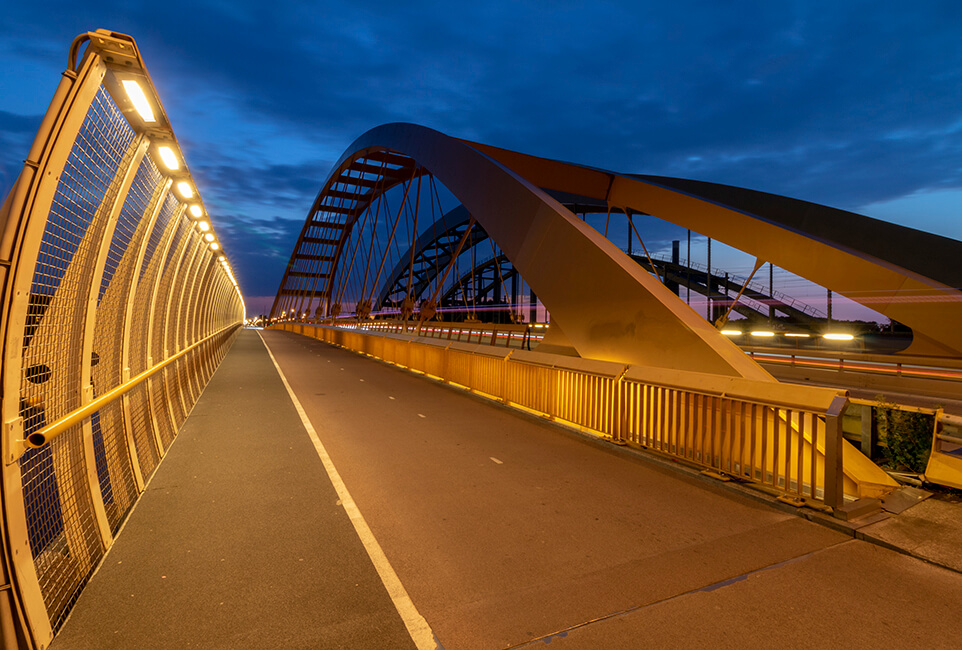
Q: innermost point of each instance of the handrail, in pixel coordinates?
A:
(39, 438)
(787, 438)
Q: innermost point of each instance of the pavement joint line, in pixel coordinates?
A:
(417, 626)
(727, 582)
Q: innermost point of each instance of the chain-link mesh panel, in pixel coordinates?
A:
(60, 286)
(140, 322)
(114, 472)
(114, 469)
(65, 547)
(159, 402)
(60, 519)
(100, 292)
(142, 430)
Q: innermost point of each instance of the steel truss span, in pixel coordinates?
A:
(117, 306)
(408, 212)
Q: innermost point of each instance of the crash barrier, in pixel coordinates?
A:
(118, 305)
(788, 438)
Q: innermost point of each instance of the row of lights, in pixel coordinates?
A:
(831, 336)
(171, 161)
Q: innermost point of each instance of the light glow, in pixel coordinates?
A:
(797, 335)
(835, 336)
(203, 225)
(185, 190)
(731, 332)
(139, 100)
(169, 157)
(214, 246)
(196, 210)
(763, 333)
(209, 237)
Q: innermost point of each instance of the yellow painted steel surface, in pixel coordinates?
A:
(115, 313)
(772, 434)
(945, 461)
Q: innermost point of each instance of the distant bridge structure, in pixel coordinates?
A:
(413, 226)
(379, 237)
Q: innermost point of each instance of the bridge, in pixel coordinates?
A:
(555, 447)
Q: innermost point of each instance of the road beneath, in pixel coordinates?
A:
(506, 531)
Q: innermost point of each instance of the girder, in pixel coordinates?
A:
(911, 276)
(600, 301)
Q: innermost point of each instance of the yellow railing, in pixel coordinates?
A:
(788, 438)
(117, 308)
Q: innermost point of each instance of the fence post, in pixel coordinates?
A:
(834, 476)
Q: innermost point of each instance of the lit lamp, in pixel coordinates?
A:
(169, 158)
(837, 336)
(137, 97)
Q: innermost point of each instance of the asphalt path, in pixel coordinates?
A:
(508, 531)
(240, 540)
(504, 530)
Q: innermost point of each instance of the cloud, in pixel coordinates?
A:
(16, 136)
(289, 188)
(258, 250)
(848, 104)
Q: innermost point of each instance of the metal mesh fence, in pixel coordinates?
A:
(108, 283)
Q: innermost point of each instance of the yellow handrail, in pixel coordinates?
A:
(51, 431)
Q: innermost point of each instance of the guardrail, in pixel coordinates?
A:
(117, 306)
(788, 438)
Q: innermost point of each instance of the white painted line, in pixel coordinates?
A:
(420, 415)
(389, 397)
(499, 462)
(418, 628)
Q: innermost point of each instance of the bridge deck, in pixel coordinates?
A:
(505, 531)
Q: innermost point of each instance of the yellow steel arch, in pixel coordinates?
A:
(607, 307)
(908, 275)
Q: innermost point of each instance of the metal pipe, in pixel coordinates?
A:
(51, 431)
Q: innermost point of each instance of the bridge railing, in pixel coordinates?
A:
(788, 438)
(117, 306)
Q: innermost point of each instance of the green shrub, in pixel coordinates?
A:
(907, 434)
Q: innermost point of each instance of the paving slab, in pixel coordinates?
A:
(931, 530)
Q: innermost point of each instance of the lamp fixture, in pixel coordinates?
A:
(136, 95)
(169, 157)
(837, 336)
(185, 190)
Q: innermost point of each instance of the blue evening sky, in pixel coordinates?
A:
(853, 104)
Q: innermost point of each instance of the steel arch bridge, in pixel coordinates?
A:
(370, 216)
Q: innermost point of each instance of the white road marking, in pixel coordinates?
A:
(499, 462)
(418, 628)
(421, 415)
(389, 397)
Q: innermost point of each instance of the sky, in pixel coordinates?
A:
(856, 105)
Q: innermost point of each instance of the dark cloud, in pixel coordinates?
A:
(258, 250)
(16, 136)
(290, 188)
(840, 103)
